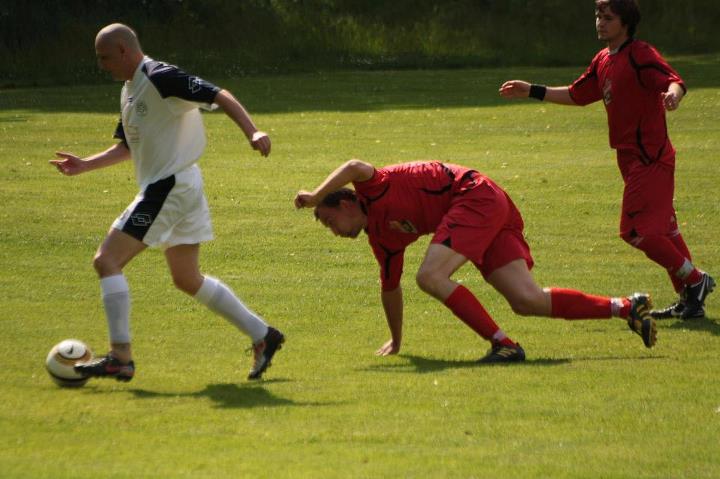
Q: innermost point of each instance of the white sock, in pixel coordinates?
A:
(616, 305)
(221, 299)
(116, 298)
(498, 336)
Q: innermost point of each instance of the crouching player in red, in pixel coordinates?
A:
(470, 218)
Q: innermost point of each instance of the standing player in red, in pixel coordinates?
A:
(637, 85)
(470, 218)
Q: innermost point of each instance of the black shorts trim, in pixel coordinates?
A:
(146, 210)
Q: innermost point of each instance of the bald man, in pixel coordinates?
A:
(161, 130)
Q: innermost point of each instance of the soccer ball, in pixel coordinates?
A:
(61, 359)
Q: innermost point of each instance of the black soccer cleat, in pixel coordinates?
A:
(695, 297)
(106, 367)
(675, 310)
(503, 354)
(264, 350)
(640, 321)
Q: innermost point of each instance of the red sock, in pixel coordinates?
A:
(665, 253)
(466, 307)
(572, 304)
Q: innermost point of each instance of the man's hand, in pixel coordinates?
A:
(261, 141)
(69, 164)
(305, 199)
(515, 89)
(388, 348)
(670, 100)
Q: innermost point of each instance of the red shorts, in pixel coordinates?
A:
(484, 225)
(647, 207)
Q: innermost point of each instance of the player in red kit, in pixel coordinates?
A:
(637, 85)
(471, 219)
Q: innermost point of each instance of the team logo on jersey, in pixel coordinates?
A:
(607, 92)
(141, 219)
(404, 226)
(194, 84)
(141, 108)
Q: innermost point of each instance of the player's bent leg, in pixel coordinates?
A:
(116, 250)
(433, 277)
(439, 264)
(183, 261)
(114, 253)
(515, 282)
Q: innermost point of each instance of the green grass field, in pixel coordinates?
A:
(590, 401)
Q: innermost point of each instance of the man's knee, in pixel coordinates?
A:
(189, 284)
(428, 281)
(527, 303)
(632, 238)
(104, 264)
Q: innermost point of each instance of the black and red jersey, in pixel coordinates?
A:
(406, 201)
(630, 82)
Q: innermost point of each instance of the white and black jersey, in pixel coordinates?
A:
(161, 123)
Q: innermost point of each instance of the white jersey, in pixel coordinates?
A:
(161, 123)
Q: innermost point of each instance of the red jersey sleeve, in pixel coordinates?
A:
(586, 89)
(654, 72)
(374, 186)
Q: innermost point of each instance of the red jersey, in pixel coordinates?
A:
(630, 82)
(406, 201)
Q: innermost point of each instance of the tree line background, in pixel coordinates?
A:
(51, 41)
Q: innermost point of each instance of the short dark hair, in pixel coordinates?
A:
(333, 199)
(627, 10)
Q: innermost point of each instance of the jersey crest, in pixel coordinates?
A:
(404, 226)
(141, 108)
(607, 91)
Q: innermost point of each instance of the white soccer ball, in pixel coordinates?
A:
(61, 359)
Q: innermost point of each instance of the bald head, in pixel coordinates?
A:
(118, 50)
(118, 34)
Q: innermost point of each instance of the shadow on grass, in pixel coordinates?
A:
(709, 325)
(231, 395)
(617, 358)
(419, 364)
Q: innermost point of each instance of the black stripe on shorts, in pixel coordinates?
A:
(147, 209)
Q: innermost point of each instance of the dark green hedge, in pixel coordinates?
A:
(51, 41)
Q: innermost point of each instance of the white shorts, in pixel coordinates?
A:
(169, 212)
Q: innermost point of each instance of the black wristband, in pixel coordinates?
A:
(538, 91)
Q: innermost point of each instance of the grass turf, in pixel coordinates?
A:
(591, 401)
